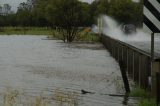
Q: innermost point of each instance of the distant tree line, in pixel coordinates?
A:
(68, 15)
(43, 12)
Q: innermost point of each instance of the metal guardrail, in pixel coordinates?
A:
(134, 59)
(137, 62)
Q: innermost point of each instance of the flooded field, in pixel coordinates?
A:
(49, 72)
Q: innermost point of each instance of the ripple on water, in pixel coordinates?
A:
(52, 72)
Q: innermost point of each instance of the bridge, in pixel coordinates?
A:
(137, 63)
(141, 65)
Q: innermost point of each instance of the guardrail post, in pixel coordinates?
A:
(124, 77)
(136, 67)
(125, 57)
(155, 68)
(120, 52)
(140, 70)
(158, 88)
(130, 62)
(144, 69)
(133, 65)
(116, 51)
(143, 72)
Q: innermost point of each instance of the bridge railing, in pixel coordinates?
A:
(137, 62)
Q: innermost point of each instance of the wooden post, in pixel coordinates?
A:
(133, 73)
(125, 57)
(152, 47)
(130, 63)
(158, 88)
(124, 76)
(136, 67)
(139, 59)
(143, 72)
(155, 69)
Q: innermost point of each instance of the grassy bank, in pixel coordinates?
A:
(83, 35)
(26, 31)
(145, 99)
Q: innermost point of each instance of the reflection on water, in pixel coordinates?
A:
(52, 71)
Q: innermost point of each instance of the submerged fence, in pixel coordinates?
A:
(137, 63)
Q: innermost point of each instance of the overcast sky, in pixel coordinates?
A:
(15, 3)
(89, 1)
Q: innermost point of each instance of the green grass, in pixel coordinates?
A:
(144, 97)
(26, 31)
(83, 35)
(147, 102)
(138, 92)
(88, 36)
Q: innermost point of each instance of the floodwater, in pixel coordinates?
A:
(54, 73)
(146, 45)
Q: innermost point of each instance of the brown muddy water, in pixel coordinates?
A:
(52, 73)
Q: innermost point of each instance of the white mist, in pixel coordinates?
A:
(113, 29)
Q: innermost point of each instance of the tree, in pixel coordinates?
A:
(0, 9)
(7, 8)
(67, 16)
(126, 11)
(93, 10)
(138, 14)
(39, 10)
(24, 15)
(103, 6)
(98, 7)
(86, 15)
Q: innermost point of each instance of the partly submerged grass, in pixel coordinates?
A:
(26, 31)
(147, 102)
(88, 36)
(138, 92)
(58, 98)
(10, 98)
(144, 97)
(83, 35)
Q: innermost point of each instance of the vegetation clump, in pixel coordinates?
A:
(68, 16)
(58, 98)
(144, 97)
(138, 92)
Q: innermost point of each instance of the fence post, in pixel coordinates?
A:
(124, 76)
(139, 59)
(155, 68)
(136, 67)
(158, 88)
(143, 72)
